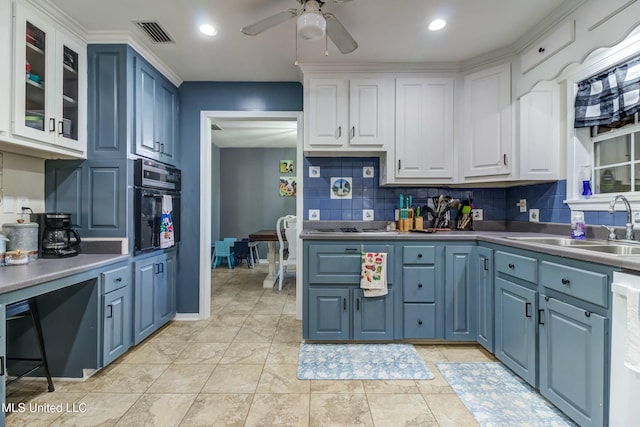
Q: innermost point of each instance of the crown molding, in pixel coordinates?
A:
(382, 67)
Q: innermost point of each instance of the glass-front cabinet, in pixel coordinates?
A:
(50, 83)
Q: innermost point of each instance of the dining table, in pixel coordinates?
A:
(270, 237)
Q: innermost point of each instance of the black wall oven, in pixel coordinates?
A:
(153, 181)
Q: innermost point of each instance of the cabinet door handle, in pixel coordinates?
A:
(504, 159)
(541, 50)
(344, 304)
(511, 266)
(339, 132)
(587, 313)
(540, 314)
(357, 304)
(1, 366)
(162, 148)
(60, 127)
(419, 322)
(419, 255)
(119, 279)
(52, 124)
(420, 285)
(565, 281)
(353, 131)
(486, 264)
(157, 146)
(110, 311)
(527, 309)
(399, 165)
(351, 250)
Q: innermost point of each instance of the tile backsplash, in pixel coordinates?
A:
(366, 194)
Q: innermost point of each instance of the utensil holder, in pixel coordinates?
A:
(418, 223)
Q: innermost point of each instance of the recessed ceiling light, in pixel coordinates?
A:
(437, 24)
(208, 30)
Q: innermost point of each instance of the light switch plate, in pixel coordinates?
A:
(367, 214)
(314, 214)
(478, 214)
(534, 215)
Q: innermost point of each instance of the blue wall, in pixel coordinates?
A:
(207, 96)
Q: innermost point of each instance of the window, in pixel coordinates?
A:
(616, 157)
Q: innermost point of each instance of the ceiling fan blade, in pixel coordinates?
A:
(271, 21)
(339, 35)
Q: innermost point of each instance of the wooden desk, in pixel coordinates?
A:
(270, 237)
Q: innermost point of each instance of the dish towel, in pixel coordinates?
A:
(166, 223)
(632, 351)
(373, 277)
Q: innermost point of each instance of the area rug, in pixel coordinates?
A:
(497, 397)
(361, 362)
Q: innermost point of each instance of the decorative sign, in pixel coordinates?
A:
(287, 186)
(341, 188)
(286, 166)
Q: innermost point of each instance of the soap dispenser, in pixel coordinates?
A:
(578, 228)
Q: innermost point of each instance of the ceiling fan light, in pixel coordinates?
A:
(311, 25)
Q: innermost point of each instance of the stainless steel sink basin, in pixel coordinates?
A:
(556, 241)
(613, 249)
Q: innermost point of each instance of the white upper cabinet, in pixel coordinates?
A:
(424, 130)
(487, 116)
(541, 153)
(352, 115)
(50, 86)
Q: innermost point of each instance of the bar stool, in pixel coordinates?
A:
(29, 308)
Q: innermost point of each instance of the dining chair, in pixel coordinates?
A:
(286, 229)
(253, 249)
(242, 252)
(223, 250)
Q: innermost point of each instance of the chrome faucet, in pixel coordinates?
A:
(628, 235)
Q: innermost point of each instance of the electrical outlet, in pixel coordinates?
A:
(534, 215)
(478, 214)
(367, 214)
(22, 202)
(314, 214)
(523, 205)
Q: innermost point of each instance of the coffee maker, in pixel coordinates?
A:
(57, 238)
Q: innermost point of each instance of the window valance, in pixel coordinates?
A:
(610, 96)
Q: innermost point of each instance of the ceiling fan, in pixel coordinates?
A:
(312, 24)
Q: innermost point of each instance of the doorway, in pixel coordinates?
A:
(209, 205)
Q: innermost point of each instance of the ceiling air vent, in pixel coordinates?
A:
(155, 32)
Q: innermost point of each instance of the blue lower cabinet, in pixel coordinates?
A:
(116, 312)
(515, 328)
(482, 277)
(329, 313)
(572, 360)
(461, 319)
(154, 294)
(338, 313)
(372, 316)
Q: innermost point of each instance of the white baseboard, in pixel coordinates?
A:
(189, 317)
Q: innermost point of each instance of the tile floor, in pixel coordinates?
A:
(239, 369)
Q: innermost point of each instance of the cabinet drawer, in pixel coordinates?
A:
(419, 255)
(342, 264)
(547, 47)
(116, 279)
(419, 284)
(419, 321)
(579, 283)
(519, 266)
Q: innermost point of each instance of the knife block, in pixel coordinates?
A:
(418, 223)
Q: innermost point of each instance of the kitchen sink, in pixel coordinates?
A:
(557, 241)
(613, 249)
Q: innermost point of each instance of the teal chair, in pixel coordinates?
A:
(222, 250)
